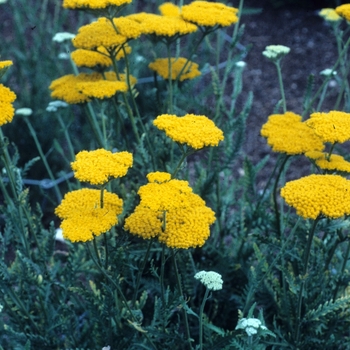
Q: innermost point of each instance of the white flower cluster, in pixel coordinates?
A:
(63, 36)
(250, 325)
(212, 280)
(275, 52)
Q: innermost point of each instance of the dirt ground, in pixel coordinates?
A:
(313, 48)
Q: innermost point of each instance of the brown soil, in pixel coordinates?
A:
(313, 48)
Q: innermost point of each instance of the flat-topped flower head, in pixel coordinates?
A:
(7, 97)
(330, 15)
(168, 27)
(82, 215)
(93, 4)
(344, 11)
(275, 52)
(196, 131)
(286, 133)
(100, 57)
(103, 33)
(68, 88)
(5, 64)
(99, 166)
(212, 280)
(332, 127)
(315, 195)
(335, 161)
(102, 89)
(170, 211)
(209, 14)
(169, 9)
(161, 66)
(250, 325)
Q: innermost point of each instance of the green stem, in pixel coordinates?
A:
(185, 154)
(306, 257)
(140, 271)
(178, 282)
(94, 124)
(345, 261)
(67, 136)
(201, 311)
(280, 82)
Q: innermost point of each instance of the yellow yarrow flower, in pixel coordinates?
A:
(82, 215)
(344, 11)
(197, 131)
(93, 4)
(209, 14)
(315, 195)
(170, 211)
(99, 166)
(333, 126)
(67, 88)
(7, 97)
(163, 26)
(330, 15)
(169, 9)
(5, 64)
(102, 89)
(286, 133)
(100, 57)
(103, 33)
(161, 66)
(335, 162)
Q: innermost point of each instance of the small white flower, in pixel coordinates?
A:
(240, 64)
(250, 325)
(212, 280)
(63, 56)
(26, 112)
(106, 348)
(63, 36)
(54, 105)
(1, 307)
(3, 1)
(275, 52)
(328, 72)
(59, 235)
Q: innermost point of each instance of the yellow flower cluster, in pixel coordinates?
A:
(329, 15)
(163, 26)
(161, 66)
(209, 14)
(69, 89)
(170, 211)
(344, 11)
(315, 195)
(99, 166)
(286, 133)
(332, 127)
(197, 131)
(82, 215)
(93, 4)
(336, 162)
(169, 9)
(88, 58)
(102, 88)
(5, 64)
(7, 97)
(103, 33)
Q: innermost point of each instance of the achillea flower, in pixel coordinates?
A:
(169, 9)
(332, 127)
(286, 133)
(161, 66)
(62, 37)
(212, 280)
(100, 57)
(103, 33)
(275, 52)
(82, 215)
(163, 26)
(99, 166)
(336, 162)
(93, 4)
(170, 211)
(67, 88)
(102, 88)
(25, 112)
(344, 11)
(315, 195)
(330, 15)
(5, 64)
(250, 325)
(7, 97)
(197, 131)
(209, 14)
